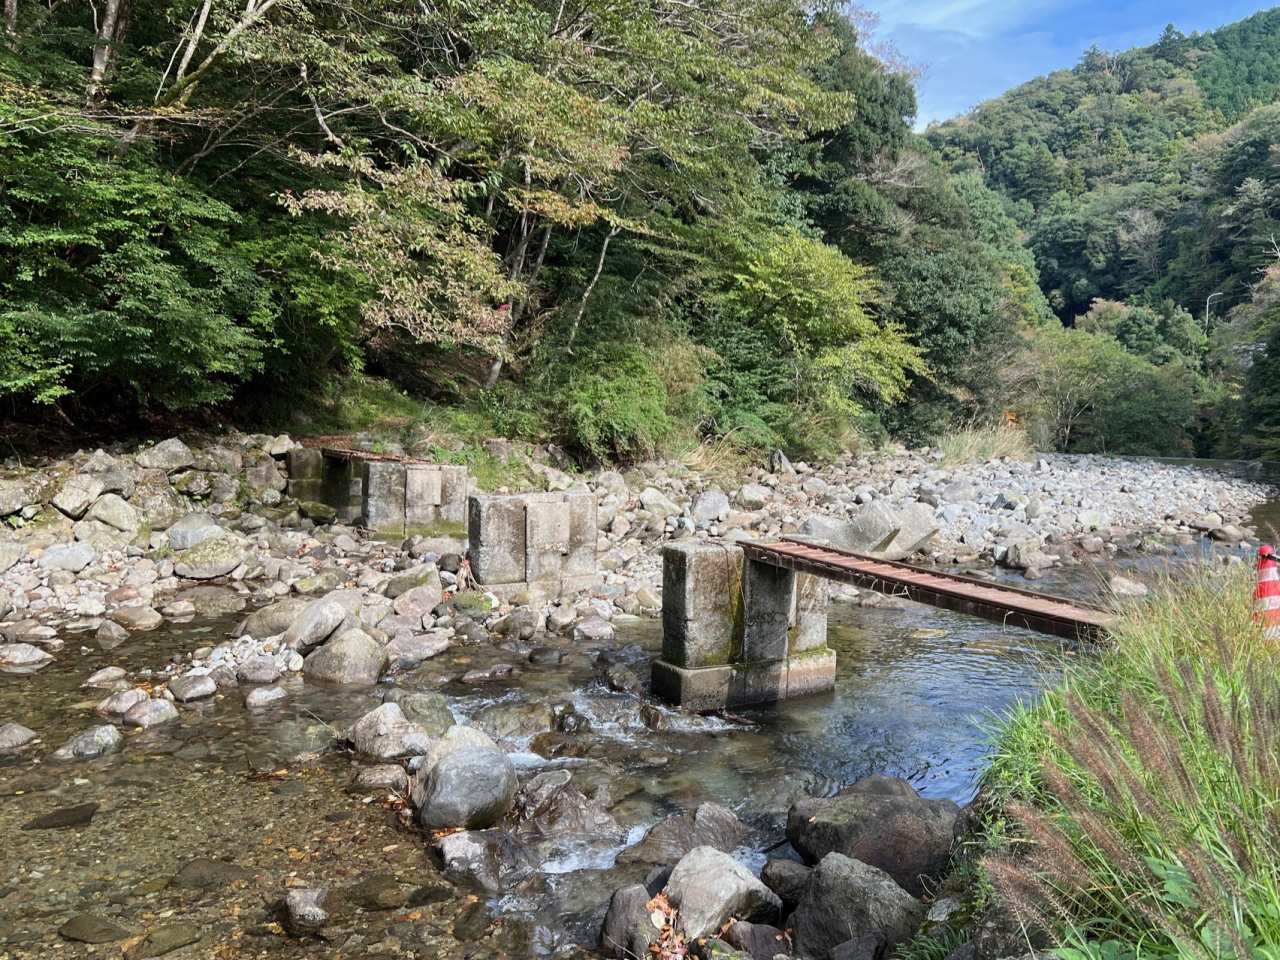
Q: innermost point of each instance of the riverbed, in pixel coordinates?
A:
(266, 790)
(185, 842)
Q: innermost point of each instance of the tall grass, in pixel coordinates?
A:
(980, 444)
(1141, 798)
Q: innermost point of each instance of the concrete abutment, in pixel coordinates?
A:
(738, 632)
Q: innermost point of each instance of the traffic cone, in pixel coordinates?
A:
(1266, 598)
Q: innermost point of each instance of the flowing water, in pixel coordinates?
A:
(915, 691)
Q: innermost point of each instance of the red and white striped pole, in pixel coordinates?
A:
(1266, 597)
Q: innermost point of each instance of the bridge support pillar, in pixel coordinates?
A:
(737, 633)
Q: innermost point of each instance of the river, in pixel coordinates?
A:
(916, 691)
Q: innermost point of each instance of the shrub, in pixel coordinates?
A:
(618, 409)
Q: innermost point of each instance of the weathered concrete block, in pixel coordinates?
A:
(811, 673)
(581, 559)
(701, 604)
(496, 527)
(809, 622)
(422, 488)
(305, 463)
(546, 539)
(758, 683)
(768, 596)
(306, 473)
(454, 490)
(766, 624)
(384, 497)
(704, 688)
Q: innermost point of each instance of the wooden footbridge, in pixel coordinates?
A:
(1071, 620)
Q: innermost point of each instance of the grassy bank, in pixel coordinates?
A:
(1135, 809)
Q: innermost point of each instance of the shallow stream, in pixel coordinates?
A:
(914, 689)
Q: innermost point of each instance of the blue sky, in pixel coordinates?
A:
(977, 49)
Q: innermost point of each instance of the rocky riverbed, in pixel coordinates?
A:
(156, 597)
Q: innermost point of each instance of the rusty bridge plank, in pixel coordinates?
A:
(1013, 606)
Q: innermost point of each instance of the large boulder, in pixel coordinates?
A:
(19, 492)
(871, 529)
(67, 556)
(471, 787)
(786, 878)
(757, 940)
(753, 496)
(118, 704)
(353, 657)
(709, 507)
(77, 495)
(658, 503)
(454, 738)
(431, 710)
(151, 713)
(115, 512)
(486, 857)
(551, 807)
(97, 742)
(14, 736)
(214, 557)
(275, 619)
(916, 527)
(881, 821)
(511, 721)
(384, 734)
(192, 529)
(187, 688)
(262, 473)
(868, 531)
(405, 652)
(846, 899)
(419, 601)
(168, 455)
(159, 504)
(708, 887)
(627, 931)
(423, 575)
(11, 553)
(21, 657)
(318, 619)
(711, 825)
(114, 476)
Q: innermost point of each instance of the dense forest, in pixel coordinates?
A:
(631, 227)
(1147, 184)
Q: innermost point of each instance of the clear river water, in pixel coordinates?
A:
(915, 695)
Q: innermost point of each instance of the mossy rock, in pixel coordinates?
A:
(471, 604)
(317, 512)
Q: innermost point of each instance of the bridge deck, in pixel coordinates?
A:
(1006, 605)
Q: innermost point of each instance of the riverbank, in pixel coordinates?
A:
(1130, 809)
(232, 634)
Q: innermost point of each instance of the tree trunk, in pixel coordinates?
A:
(105, 40)
(10, 19)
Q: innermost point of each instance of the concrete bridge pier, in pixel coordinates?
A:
(738, 632)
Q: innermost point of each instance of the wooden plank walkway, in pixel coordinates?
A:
(1070, 620)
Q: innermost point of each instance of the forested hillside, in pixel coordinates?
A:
(627, 227)
(1148, 187)
(618, 226)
